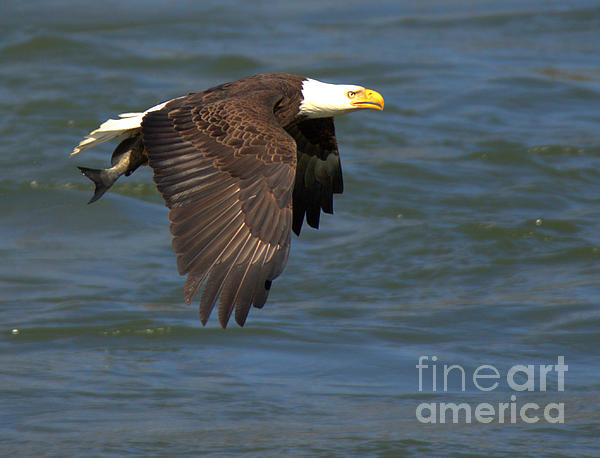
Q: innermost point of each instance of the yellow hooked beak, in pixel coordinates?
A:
(367, 98)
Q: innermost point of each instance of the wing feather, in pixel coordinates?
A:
(318, 173)
(226, 170)
(195, 253)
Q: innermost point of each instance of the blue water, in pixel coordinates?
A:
(468, 231)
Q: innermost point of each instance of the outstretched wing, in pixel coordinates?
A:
(318, 173)
(226, 171)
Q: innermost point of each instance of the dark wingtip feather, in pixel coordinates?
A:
(298, 212)
(297, 227)
(203, 319)
(223, 322)
(261, 295)
(313, 215)
(241, 320)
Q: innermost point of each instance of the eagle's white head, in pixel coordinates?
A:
(323, 100)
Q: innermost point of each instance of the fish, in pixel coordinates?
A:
(126, 158)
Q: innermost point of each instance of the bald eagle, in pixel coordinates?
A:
(240, 166)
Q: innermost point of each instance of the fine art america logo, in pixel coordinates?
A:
(487, 378)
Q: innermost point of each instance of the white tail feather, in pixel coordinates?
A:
(108, 130)
(128, 125)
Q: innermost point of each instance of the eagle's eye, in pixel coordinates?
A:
(351, 94)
